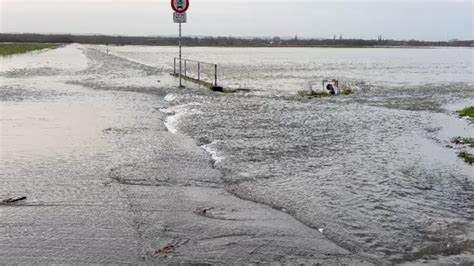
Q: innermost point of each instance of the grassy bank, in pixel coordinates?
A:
(464, 141)
(469, 112)
(467, 157)
(17, 48)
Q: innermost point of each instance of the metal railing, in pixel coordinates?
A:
(202, 72)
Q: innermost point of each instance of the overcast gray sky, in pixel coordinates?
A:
(418, 19)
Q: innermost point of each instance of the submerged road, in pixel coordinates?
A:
(83, 138)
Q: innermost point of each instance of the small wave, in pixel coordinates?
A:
(171, 123)
(170, 97)
(175, 113)
(213, 152)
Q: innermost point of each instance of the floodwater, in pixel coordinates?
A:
(375, 172)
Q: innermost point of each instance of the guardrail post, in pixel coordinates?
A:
(199, 70)
(174, 66)
(215, 75)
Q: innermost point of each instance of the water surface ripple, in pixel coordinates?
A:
(372, 170)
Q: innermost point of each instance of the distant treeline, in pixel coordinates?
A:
(223, 41)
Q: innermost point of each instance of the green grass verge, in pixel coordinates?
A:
(469, 112)
(467, 157)
(347, 92)
(20, 48)
(463, 141)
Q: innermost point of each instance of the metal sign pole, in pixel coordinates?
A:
(180, 61)
(180, 7)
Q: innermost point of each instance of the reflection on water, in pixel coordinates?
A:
(289, 69)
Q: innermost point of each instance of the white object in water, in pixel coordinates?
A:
(331, 86)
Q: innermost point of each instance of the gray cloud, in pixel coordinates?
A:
(429, 20)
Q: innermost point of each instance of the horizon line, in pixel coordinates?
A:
(230, 36)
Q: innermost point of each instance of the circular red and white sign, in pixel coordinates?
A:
(180, 6)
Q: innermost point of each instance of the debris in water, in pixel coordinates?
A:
(204, 211)
(13, 200)
(170, 247)
(329, 87)
(166, 249)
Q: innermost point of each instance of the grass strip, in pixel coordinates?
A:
(467, 157)
(467, 112)
(7, 49)
(463, 141)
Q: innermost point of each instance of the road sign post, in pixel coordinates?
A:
(180, 61)
(180, 7)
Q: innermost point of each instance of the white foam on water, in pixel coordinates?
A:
(171, 123)
(213, 152)
(175, 113)
(170, 97)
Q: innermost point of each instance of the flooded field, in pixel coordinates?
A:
(370, 177)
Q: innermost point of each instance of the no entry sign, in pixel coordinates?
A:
(180, 6)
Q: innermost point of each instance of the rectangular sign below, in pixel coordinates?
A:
(179, 17)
